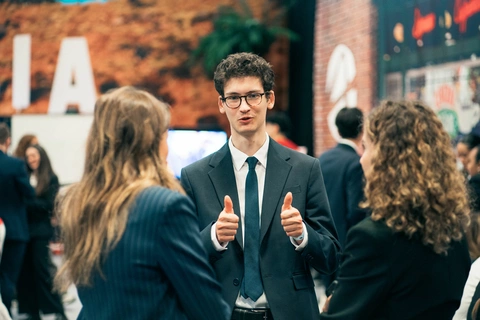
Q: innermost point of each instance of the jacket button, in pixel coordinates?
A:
(236, 282)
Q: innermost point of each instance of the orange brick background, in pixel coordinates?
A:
(145, 46)
(352, 23)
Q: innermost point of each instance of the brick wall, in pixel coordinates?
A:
(351, 23)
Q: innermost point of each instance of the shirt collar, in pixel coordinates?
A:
(239, 158)
(349, 143)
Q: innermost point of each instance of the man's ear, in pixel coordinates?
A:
(8, 142)
(221, 106)
(270, 99)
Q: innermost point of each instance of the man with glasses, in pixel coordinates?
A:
(262, 208)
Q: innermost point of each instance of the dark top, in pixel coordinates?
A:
(15, 189)
(387, 276)
(40, 211)
(343, 176)
(474, 192)
(159, 269)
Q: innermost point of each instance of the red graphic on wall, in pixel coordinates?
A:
(463, 10)
(444, 96)
(422, 25)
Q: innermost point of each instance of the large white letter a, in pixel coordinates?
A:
(73, 82)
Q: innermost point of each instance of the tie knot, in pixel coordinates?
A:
(252, 162)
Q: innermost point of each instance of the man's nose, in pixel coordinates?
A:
(244, 106)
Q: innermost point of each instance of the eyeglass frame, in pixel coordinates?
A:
(224, 99)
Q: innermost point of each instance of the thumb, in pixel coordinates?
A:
(287, 202)
(227, 202)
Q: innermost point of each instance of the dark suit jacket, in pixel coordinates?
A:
(387, 276)
(343, 176)
(285, 272)
(14, 190)
(159, 269)
(40, 210)
(474, 192)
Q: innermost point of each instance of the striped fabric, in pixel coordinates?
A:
(159, 269)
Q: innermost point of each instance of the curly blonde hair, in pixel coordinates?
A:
(413, 184)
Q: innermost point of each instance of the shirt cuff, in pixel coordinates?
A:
(304, 242)
(217, 245)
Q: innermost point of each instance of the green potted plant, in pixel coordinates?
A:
(240, 32)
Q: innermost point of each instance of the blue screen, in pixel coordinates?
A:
(188, 146)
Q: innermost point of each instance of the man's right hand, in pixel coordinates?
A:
(227, 222)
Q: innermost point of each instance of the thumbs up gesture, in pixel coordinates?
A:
(291, 218)
(227, 222)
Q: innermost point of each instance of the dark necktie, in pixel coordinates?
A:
(252, 282)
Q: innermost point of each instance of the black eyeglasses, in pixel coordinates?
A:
(252, 99)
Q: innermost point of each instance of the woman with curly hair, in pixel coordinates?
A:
(409, 259)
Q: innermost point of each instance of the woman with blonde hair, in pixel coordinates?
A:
(131, 237)
(409, 259)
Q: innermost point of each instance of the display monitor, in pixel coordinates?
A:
(186, 146)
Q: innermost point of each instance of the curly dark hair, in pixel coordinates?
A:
(240, 65)
(413, 184)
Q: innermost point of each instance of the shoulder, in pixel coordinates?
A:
(288, 153)
(12, 161)
(54, 179)
(158, 196)
(371, 231)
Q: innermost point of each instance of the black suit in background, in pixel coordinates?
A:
(285, 272)
(385, 275)
(343, 177)
(35, 286)
(474, 190)
(15, 189)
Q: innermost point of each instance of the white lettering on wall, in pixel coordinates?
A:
(21, 71)
(341, 71)
(73, 83)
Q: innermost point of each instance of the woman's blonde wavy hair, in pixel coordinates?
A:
(122, 159)
(413, 183)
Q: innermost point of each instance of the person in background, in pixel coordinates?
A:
(15, 190)
(278, 128)
(4, 315)
(35, 286)
(409, 259)
(25, 142)
(343, 176)
(473, 184)
(131, 237)
(262, 208)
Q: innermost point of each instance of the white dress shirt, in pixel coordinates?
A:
(349, 143)
(468, 291)
(240, 167)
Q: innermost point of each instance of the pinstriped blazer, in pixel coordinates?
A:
(159, 269)
(285, 272)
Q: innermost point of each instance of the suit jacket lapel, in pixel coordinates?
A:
(276, 175)
(223, 180)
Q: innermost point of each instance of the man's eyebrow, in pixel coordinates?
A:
(236, 93)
